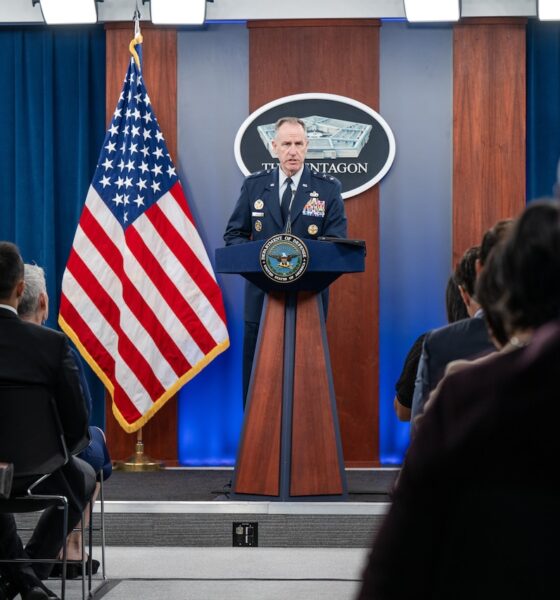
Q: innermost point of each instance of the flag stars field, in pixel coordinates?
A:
(138, 123)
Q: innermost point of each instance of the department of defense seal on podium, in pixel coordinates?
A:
(284, 258)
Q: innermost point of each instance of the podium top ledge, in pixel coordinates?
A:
(327, 260)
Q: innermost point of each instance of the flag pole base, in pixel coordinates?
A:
(139, 461)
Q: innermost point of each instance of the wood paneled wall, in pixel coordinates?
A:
(159, 67)
(488, 126)
(338, 57)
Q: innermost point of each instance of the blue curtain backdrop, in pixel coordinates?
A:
(52, 118)
(543, 107)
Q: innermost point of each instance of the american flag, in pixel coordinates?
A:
(139, 296)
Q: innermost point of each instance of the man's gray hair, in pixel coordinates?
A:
(35, 284)
(292, 121)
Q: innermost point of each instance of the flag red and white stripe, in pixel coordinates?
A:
(139, 295)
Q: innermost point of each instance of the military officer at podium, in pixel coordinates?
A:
(289, 196)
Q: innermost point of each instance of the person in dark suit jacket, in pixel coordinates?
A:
(404, 388)
(31, 354)
(464, 339)
(34, 307)
(311, 202)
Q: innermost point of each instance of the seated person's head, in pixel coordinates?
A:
(490, 295)
(34, 304)
(530, 263)
(454, 305)
(489, 288)
(11, 273)
(497, 233)
(465, 277)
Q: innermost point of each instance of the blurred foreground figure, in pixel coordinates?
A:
(475, 511)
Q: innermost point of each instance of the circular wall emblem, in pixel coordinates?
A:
(347, 139)
(284, 258)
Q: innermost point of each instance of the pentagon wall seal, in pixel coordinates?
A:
(284, 258)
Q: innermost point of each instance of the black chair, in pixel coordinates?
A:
(100, 529)
(6, 474)
(36, 448)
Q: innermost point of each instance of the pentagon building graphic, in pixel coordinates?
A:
(328, 138)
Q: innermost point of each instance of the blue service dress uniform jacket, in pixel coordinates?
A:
(317, 210)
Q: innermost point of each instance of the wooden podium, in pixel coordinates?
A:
(290, 447)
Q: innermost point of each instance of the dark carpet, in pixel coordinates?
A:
(207, 485)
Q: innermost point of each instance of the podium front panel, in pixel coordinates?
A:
(258, 462)
(316, 462)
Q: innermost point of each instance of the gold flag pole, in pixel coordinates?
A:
(139, 461)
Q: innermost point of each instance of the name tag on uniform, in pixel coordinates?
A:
(257, 214)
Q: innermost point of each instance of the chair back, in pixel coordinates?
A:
(31, 435)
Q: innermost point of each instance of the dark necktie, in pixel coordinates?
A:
(286, 199)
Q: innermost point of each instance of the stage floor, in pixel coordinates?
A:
(188, 507)
(208, 485)
(185, 507)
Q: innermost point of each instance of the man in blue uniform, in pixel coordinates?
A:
(289, 195)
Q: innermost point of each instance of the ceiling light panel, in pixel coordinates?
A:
(431, 11)
(178, 12)
(65, 12)
(549, 10)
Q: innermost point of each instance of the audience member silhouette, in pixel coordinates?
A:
(475, 509)
(455, 308)
(404, 388)
(489, 291)
(30, 354)
(34, 307)
(464, 339)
